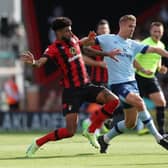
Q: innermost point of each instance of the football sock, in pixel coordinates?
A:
(119, 128)
(53, 136)
(99, 116)
(160, 118)
(147, 120)
(139, 125)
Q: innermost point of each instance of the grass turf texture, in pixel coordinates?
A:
(125, 151)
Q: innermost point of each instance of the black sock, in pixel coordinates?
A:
(160, 118)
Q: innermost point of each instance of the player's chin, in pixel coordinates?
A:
(131, 35)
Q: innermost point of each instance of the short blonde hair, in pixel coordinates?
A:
(127, 17)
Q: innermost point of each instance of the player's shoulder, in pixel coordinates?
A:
(106, 37)
(51, 48)
(147, 40)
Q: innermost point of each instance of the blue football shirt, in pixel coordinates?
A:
(122, 71)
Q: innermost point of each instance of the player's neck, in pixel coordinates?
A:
(122, 36)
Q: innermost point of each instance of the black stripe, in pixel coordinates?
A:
(106, 113)
(79, 71)
(65, 58)
(97, 41)
(78, 66)
(144, 49)
(56, 135)
(94, 74)
(117, 129)
(146, 121)
(51, 65)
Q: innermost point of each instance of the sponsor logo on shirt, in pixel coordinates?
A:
(74, 58)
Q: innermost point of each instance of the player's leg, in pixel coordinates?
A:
(70, 109)
(141, 130)
(136, 101)
(120, 127)
(160, 103)
(110, 101)
(146, 118)
(150, 87)
(58, 134)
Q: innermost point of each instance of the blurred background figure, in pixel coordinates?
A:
(12, 94)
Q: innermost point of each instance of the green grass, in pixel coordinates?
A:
(125, 151)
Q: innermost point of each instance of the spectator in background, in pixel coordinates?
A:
(164, 13)
(147, 82)
(12, 94)
(98, 72)
(18, 40)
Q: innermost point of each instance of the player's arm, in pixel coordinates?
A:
(93, 52)
(89, 40)
(161, 68)
(91, 62)
(157, 50)
(28, 57)
(138, 67)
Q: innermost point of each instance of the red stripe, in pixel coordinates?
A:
(150, 12)
(64, 68)
(32, 30)
(84, 71)
(34, 40)
(98, 72)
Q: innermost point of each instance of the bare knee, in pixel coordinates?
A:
(161, 103)
(130, 124)
(141, 105)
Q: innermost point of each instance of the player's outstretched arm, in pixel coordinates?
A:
(138, 67)
(89, 40)
(91, 62)
(93, 52)
(157, 50)
(28, 57)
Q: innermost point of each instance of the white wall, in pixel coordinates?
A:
(11, 8)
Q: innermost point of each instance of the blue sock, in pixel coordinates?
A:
(147, 120)
(140, 125)
(119, 128)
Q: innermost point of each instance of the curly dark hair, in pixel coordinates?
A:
(61, 22)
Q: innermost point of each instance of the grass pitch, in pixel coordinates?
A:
(125, 151)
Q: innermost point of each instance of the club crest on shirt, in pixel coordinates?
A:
(73, 51)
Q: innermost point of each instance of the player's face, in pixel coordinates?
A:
(103, 29)
(66, 33)
(156, 32)
(128, 28)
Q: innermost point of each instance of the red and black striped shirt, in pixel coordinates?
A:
(98, 74)
(67, 55)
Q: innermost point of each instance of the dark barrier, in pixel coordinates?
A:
(36, 121)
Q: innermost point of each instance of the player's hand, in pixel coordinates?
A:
(102, 64)
(112, 54)
(89, 40)
(92, 35)
(147, 72)
(163, 69)
(27, 57)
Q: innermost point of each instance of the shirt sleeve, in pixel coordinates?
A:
(101, 39)
(51, 54)
(139, 47)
